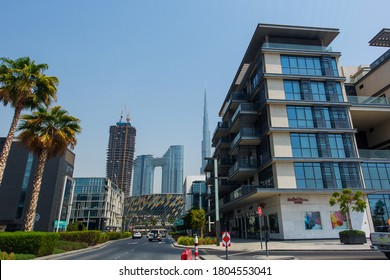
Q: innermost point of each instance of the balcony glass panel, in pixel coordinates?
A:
(375, 154)
(296, 47)
(368, 100)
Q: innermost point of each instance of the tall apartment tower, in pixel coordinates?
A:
(206, 137)
(291, 134)
(120, 155)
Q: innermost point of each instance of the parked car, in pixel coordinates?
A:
(137, 234)
(380, 240)
(154, 235)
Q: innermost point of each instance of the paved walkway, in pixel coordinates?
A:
(251, 245)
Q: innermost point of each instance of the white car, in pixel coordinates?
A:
(137, 234)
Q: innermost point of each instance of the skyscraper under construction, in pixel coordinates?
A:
(120, 154)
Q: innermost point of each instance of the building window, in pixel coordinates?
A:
(292, 90)
(300, 65)
(304, 145)
(380, 208)
(310, 90)
(325, 175)
(376, 175)
(300, 116)
(309, 66)
(317, 117)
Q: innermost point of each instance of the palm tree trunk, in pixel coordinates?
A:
(30, 217)
(8, 141)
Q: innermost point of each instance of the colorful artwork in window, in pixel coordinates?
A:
(312, 221)
(338, 220)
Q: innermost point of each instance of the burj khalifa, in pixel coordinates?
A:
(206, 137)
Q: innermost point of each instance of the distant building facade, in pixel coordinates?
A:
(172, 164)
(163, 208)
(98, 203)
(55, 198)
(195, 193)
(120, 155)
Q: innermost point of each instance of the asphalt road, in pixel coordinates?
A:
(129, 249)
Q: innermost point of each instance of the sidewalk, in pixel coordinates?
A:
(251, 245)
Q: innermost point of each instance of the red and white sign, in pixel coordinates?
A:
(259, 211)
(226, 241)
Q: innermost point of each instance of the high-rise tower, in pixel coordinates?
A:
(120, 154)
(206, 137)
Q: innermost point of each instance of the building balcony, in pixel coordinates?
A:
(221, 130)
(367, 100)
(296, 47)
(242, 169)
(223, 142)
(248, 136)
(244, 109)
(236, 98)
(375, 154)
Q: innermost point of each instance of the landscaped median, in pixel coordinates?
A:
(29, 245)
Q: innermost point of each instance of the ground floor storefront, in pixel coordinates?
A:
(290, 216)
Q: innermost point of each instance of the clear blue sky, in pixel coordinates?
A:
(154, 59)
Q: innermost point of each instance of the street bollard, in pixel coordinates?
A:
(196, 248)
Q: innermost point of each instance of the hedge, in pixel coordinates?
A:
(91, 237)
(36, 243)
(189, 241)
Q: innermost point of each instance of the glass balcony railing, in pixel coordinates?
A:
(243, 163)
(296, 47)
(375, 154)
(245, 107)
(245, 132)
(382, 100)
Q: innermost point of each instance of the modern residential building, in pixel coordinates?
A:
(291, 135)
(55, 198)
(206, 143)
(120, 155)
(172, 164)
(98, 203)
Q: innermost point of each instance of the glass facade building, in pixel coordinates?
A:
(172, 164)
(291, 135)
(98, 203)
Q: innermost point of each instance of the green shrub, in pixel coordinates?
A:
(113, 235)
(70, 245)
(91, 237)
(352, 233)
(126, 234)
(189, 241)
(75, 226)
(103, 238)
(36, 243)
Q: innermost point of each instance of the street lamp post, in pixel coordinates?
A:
(217, 223)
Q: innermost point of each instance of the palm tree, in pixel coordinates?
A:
(24, 86)
(47, 133)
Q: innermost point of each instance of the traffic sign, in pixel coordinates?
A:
(259, 211)
(226, 241)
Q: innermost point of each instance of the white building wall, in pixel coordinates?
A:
(294, 217)
(272, 63)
